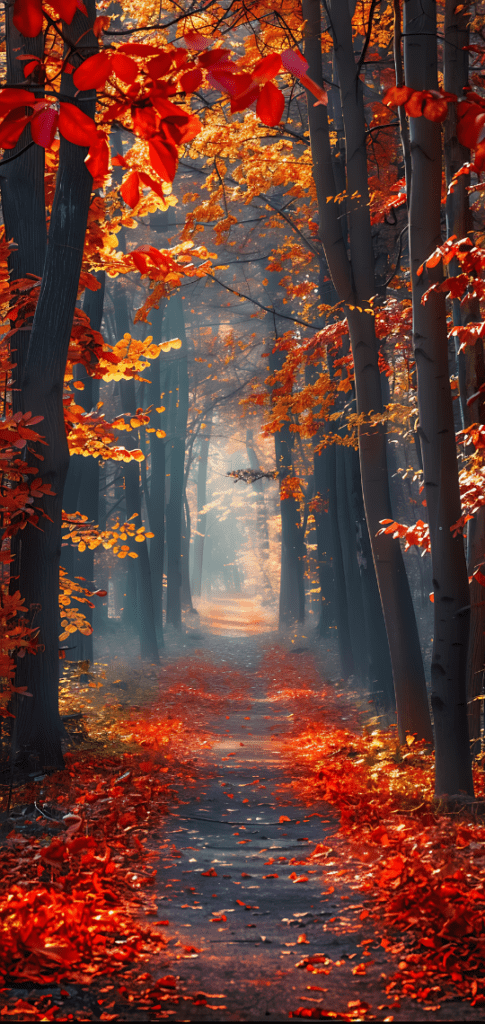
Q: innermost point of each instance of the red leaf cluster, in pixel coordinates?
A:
(430, 103)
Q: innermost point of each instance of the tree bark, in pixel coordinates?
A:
(292, 589)
(83, 482)
(199, 539)
(471, 369)
(38, 724)
(177, 418)
(348, 531)
(145, 619)
(261, 518)
(436, 425)
(157, 475)
(354, 283)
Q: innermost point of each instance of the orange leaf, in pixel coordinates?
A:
(396, 95)
(414, 105)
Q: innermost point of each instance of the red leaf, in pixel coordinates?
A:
(57, 850)
(151, 183)
(293, 61)
(139, 49)
(27, 17)
(195, 41)
(66, 9)
(12, 127)
(267, 68)
(28, 68)
(225, 77)
(44, 125)
(479, 577)
(270, 105)
(145, 122)
(124, 67)
(414, 105)
(189, 129)
(471, 121)
(76, 126)
(140, 263)
(97, 160)
(11, 98)
(159, 65)
(316, 89)
(130, 189)
(396, 95)
(435, 109)
(101, 24)
(93, 72)
(208, 60)
(191, 80)
(162, 159)
(168, 110)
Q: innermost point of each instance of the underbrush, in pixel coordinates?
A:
(422, 870)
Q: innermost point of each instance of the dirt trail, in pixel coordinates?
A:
(237, 893)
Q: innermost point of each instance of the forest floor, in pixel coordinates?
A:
(245, 879)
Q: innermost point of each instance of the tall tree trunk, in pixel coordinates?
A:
(292, 589)
(355, 284)
(348, 530)
(436, 425)
(186, 596)
(471, 369)
(199, 539)
(157, 473)
(326, 487)
(261, 517)
(83, 478)
(174, 327)
(145, 619)
(38, 724)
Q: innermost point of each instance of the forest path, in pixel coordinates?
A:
(238, 888)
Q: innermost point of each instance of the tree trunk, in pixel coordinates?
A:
(83, 478)
(292, 589)
(38, 725)
(157, 475)
(205, 440)
(471, 370)
(348, 532)
(326, 488)
(186, 596)
(261, 518)
(436, 425)
(145, 619)
(354, 283)
(177, 419)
